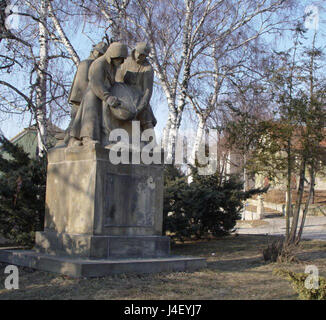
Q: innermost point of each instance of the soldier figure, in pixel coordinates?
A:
(137, 72)
(80, 84)
(87, 126)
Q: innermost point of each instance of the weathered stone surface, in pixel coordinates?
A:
(92, 121)
(101, 247)
(87, 194)
(98, 268)
(137, 73)
(101, 219)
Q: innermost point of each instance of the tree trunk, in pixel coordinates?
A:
(166, 133)
(245, 178)
(198, 140)
(115, 14)
(300, 192)
(176, 112)
(172, 138)
(41, 132)
(64, 39)
(42, 81)
(288, 192)
(305, 211)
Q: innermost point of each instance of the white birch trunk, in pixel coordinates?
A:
(41, 132)
(172, 113)
(175, 116)
(64, 39)
(115, 13)
(198, 139)
(166, 133)
(172, 137)
(42, 81)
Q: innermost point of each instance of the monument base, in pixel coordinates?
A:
(76, 267)
(101, 247)
(101, 219)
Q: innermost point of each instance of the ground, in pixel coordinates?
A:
(314, 229)
(236, 270)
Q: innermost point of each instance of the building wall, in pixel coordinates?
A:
(28, 141)
(280, 183)
(320, 183)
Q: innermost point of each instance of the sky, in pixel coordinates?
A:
(81, 41)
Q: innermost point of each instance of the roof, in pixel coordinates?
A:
(52, 130)
(27, 139)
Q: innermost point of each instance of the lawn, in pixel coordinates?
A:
(235, 270)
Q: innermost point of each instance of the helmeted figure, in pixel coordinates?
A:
(91, 124)
(80, 84)
(138, 73)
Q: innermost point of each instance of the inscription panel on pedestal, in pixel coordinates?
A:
(129, 201)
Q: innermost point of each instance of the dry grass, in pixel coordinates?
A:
(266, 210)
(236, 270)
(251, 223)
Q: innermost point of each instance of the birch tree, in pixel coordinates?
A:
(42, 69)
(32, 54)
(234, 75)
(182, 35)
(39, 106)
(111, 15)
(177, 40)
(62, 34)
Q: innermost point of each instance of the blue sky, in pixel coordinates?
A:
(81, 41)
(14, 124)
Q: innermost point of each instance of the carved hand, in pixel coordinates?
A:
(113, 102)
(140, 107)
(142, 103)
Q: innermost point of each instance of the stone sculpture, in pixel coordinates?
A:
(117, 94)
(90, 124)
(138, 73)
(80, 83)
(79, 86)
(102, 217)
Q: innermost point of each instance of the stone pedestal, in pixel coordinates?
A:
(101, 216)
(87, 194)
(95, 209)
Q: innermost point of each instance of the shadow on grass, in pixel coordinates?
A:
(238, 256)
(312, 255)
(47, 292)
(237, 265)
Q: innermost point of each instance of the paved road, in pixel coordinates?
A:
(315, 228)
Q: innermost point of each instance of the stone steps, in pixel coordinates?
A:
(78, 268)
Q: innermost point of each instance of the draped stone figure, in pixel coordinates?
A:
(138, 73)
(91, 124)
(79, 86)
(80, 83)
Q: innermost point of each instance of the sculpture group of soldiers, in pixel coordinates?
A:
(93, 102)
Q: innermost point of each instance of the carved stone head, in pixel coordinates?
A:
(143, 48)
(101, 47)
(116, 50)
(99, 50)
(141, 52)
